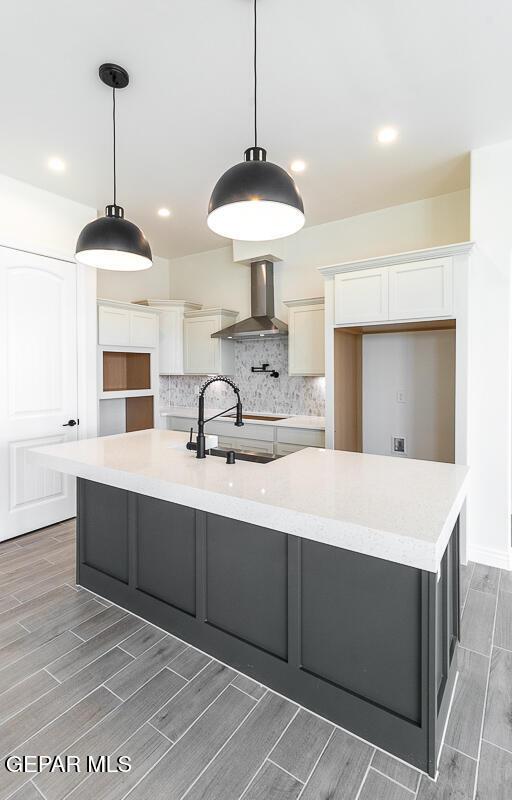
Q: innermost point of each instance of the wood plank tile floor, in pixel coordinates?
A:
(79, 676)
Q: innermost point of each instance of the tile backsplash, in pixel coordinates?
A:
(259, 392)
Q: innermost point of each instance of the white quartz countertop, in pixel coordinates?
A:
(303, 421)
(397, 509)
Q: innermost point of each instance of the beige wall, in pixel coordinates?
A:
(213, 279)
(153, 283)
(37, 220)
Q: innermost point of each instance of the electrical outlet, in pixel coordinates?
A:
(399, 445)
(400, 396)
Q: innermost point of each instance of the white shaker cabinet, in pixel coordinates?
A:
(171, 333)
(361, 296)
(113, 326)
(126, 325)
(306, 337)
(421, 289)
(143, 329)
(412, 290)
(202, 354)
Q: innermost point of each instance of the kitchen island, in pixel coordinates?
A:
(331, 577)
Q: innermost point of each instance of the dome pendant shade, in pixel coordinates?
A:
(112, 242)
(255, 201)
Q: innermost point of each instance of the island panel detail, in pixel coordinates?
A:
(367, 643)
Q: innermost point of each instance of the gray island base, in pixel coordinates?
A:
(367, 643)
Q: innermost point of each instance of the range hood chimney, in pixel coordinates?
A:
(261, 323)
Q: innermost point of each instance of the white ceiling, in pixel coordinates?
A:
(331, 73)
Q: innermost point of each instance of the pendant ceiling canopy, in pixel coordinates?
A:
(112, 242)
(255, 200)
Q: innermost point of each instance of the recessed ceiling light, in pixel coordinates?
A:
(298, 165)
(57, 164)
(387, 135)
(164, 212)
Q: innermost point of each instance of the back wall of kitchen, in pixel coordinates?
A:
(261, 393)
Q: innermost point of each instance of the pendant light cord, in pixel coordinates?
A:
(255, 79)
(114, 140)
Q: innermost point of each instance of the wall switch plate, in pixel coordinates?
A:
(196, 391)
(400, 396)
(399, 445)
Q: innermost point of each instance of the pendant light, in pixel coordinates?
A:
(112, 242)
(255, 200)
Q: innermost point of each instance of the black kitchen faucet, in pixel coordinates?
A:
(199, 447)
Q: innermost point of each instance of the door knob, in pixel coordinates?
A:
(71, 423)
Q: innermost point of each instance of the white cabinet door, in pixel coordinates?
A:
(113, 326)
(421, 289)
(143, 329)
(285, 449)
(306, 340)
(38, 387)
(249, 445)
(201, 351)
(170, 354)
(361, 296)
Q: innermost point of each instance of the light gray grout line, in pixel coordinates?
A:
(253, 778)
(445, 728)
(120, 744)
(160, 732)
(111, 690)
(486, 690)
(86, 666)
(184, 734)
(229, 739)
(19, 602)
(170, 669)
(25, 627)
(20, 744)
(51, 676)
(269, 753)
(402, 786)
(124, 651)
(497, 647)
(282, 768)
(67, 746)
(38, 789)
(80, 638)
(147, 648)
(324, 748)
(393, 780)
(499, 746)
(481, 591)
(462, 753)
(364, 778)
(256, 699)
(20, 710)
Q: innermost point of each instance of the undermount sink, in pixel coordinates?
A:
(264, 417)
(240, 455)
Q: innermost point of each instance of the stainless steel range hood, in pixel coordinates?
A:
(261, 323)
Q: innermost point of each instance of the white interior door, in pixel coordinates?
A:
(38, 386)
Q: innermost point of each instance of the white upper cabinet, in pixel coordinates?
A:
(421, 289)
(361, 296)
(412, 290)
(204, 355)
(143, 329)
(306, 337)
(120, 325)
(113, 326)
(171, 337)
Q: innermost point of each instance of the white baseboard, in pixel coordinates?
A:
(490, 556)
